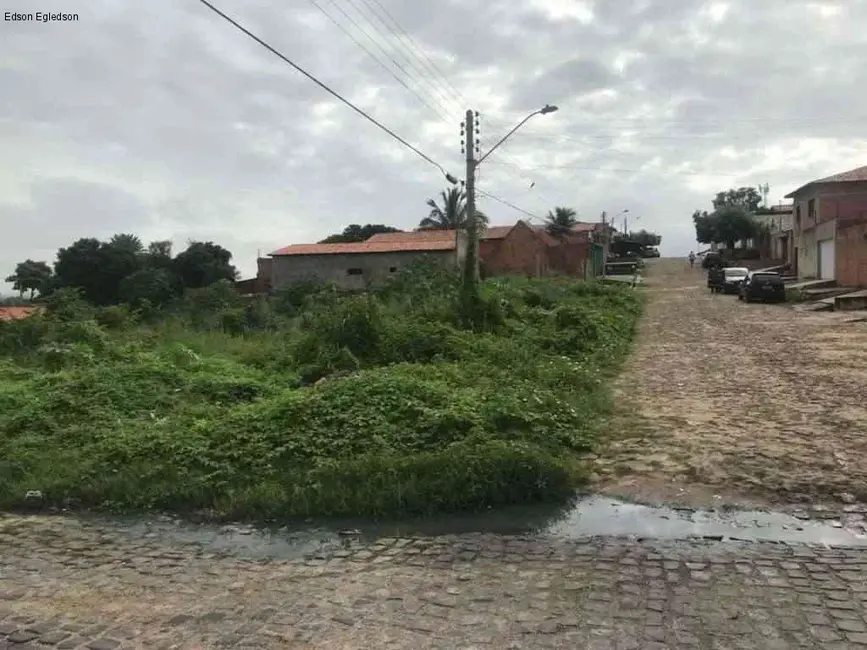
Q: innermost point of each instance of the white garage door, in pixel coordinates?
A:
(826, 259)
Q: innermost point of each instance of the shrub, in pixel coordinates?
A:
(414, 414)
(114, 317)
(355, 323)
(24, 335)
(68, 304)
(291, 299)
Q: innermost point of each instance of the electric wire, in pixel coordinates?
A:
(322, 85)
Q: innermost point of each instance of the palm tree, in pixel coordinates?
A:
(452, 214)
(560, 222)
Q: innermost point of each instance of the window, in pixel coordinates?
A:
(392, 269)
(354, 271)
(811, 209)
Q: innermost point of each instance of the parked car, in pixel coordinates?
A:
(762, 286)
(732, 279)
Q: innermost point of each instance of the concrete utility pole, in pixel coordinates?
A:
(471, 266)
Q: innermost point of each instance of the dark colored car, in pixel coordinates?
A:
(762, 286)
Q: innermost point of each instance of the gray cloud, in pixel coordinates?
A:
(62, 210)
(162, 119)
(570, 78)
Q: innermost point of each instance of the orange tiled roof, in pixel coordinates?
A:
(412, 236)
(496, 232)
(366, 247)
(857, 175)
(17, 313)
(393, 242)
(492, 232)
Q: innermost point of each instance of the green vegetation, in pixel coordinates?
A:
(357, 233)
(733, 218)
(310, 401)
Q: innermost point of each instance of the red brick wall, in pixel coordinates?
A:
(570, 258)
(488, 247)
(851, 255)
(521, 252)
(844, 208)
(262, 282)
(264, 272)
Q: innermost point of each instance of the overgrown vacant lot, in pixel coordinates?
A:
(311, 402)
(736, 399)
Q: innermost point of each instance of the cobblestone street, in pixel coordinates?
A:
(75, 583)
(68, 584)
(738, 400)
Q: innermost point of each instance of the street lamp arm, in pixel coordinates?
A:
(506, 137)
(541, 111)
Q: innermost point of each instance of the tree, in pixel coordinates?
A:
(452, 214)
(158, 255)
(149, 286)
(160, 248)
(560, 222)
(747, 198)
(732, 224)
(126, 242)
(97, 268)
(202, 264)
(645, 238)
(357, 233)
(705, 227)
(30, 276)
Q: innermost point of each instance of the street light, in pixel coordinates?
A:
(542, 111)
(470, 286)
(623, 214)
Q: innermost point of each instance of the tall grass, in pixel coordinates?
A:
(312, 401)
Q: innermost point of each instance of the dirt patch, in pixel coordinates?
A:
(730, 402)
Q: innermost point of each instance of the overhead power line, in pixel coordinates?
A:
(436, 72)
(616, 169)
(371, 54)
(413, 60)
(323, 86)
(507, 203)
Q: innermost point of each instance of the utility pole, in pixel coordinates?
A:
(471, 263)
(470, 290)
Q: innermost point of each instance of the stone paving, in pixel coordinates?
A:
(722, 398)
(66, 583)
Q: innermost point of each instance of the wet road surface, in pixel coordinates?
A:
(79, 583)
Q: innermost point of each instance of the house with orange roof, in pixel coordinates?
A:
(518, 249)
(830, 228)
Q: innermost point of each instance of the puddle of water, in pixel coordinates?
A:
(602, 516)
(586, 517)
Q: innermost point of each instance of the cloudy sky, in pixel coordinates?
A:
(162, 119)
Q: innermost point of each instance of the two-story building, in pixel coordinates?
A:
(782, 242)
(830, 228)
